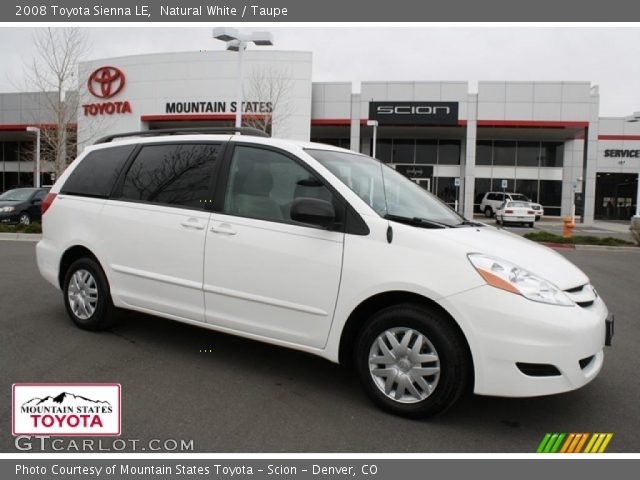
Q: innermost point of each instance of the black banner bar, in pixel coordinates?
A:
(226, 11)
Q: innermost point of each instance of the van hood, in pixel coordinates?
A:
(536, 258)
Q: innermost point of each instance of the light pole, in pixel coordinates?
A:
(374, 124)
(36, 130)
(632, 119)
(237, 42)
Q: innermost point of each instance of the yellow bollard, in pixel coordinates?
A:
(567, 227)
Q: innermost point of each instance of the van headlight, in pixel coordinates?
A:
(512, 278)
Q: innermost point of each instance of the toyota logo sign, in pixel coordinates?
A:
(106, 82)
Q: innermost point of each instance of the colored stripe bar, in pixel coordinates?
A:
(581, 443)
(543, 443)
(567, 442)
(606, 442)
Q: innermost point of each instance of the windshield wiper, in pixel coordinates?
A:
(416, 221)
(469, 223)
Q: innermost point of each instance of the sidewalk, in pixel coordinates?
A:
(599, 228)
(23, 237)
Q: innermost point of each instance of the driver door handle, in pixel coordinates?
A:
(224, 229)
(192, 223)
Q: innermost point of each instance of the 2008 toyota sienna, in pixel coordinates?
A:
(319, 249)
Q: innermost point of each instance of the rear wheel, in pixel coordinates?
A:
(412, 361)
(86, 295)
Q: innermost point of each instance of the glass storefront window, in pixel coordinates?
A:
(427, 151)
(504, 153)
(449, 152)
(484, 152)
(446, 190)
(550, 196)
(482, 186)
(383, 150)
(11, 151)
(552, 154)
(528, 188)
(403, 151)
(528, 154)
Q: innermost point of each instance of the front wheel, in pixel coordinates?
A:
(87, 296)
(412, 361)
(24, 218)
(488, 212)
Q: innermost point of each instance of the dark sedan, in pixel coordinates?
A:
(21, 205)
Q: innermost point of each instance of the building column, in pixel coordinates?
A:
(468, 170)
(355, 122)
(591, 158)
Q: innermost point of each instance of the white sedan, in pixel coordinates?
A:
(516, 212)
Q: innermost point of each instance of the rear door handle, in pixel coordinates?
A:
(192, 223)
(223, 228)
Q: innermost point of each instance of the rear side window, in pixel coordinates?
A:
(97, 172)
(178, 175)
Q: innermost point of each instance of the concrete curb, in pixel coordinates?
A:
(21, 237)
(601, 248)
(592, 248)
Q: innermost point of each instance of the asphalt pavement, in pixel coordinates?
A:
(244, 396)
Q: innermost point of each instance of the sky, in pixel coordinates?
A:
(605, 56)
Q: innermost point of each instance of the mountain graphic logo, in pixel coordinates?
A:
(63, 399)
(80, 409)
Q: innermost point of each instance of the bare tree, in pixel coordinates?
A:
(270, 86)
(53, 72)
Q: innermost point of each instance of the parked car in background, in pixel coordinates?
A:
(515, 212)
(21, 205)
(492, 200)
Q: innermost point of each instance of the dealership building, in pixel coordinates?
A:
(543, 139)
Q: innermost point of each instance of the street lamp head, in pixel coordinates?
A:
(226, 34)
(33, 129)
(234, 45)
(633, 118)
(264, 39)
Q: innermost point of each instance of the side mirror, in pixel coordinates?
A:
(313, 211)
(36, 201)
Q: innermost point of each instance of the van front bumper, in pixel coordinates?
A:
(522, 348)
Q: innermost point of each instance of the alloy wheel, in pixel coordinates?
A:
(404, 365)
(83, 294)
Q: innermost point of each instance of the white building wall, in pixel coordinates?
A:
(153, 80)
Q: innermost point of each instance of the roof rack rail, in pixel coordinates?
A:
(184, 131)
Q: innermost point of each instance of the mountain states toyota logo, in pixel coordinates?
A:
(106, 82)
(84, 409)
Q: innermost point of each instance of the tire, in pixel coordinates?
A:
(531, 224)
(488, 212)
(93, 309)
(442, 347)
(24, 219)
(538, 217)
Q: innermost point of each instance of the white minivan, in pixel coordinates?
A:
(324, 250)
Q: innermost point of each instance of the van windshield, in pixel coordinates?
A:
(386, 191)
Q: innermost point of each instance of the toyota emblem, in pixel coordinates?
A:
(106, 82)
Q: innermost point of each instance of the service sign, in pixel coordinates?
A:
(85, 409)
(414, 113)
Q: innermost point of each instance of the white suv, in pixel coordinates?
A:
(323, 250)
(491, 201)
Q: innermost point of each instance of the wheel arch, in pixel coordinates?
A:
(360, 315)
(72, 254)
